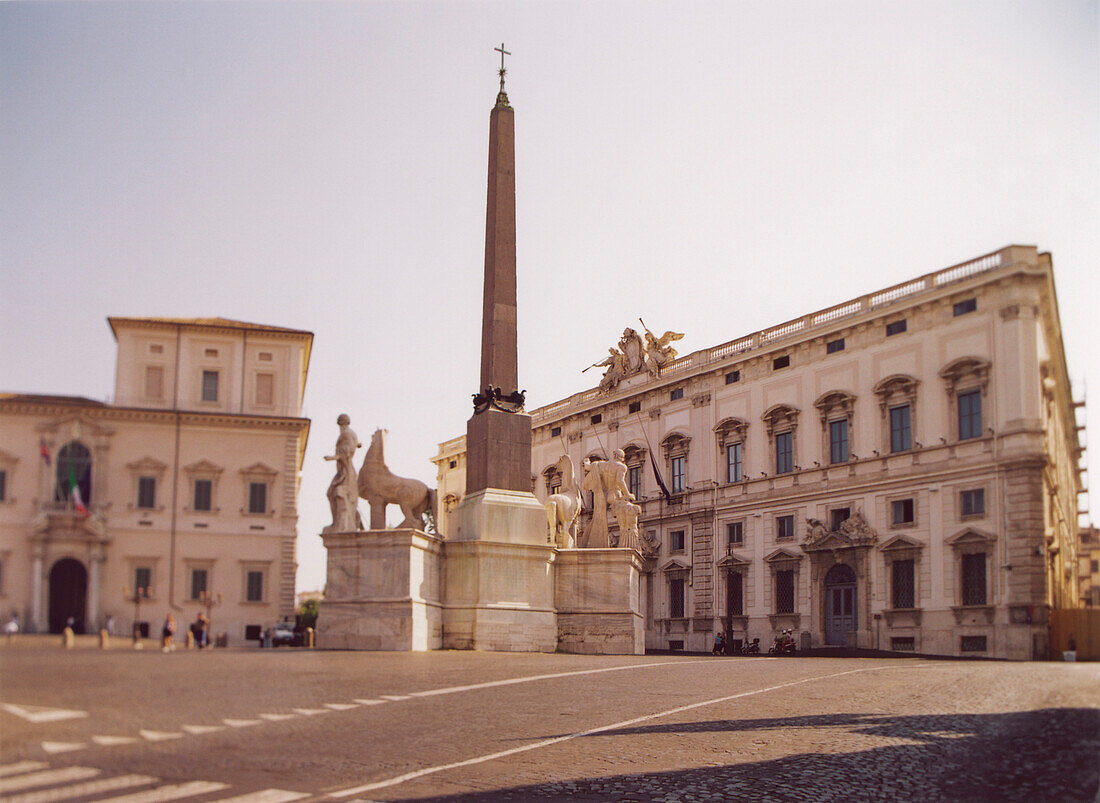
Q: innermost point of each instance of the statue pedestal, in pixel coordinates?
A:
(596, 593)
(382, 591)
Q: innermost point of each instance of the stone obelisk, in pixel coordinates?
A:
(497, 578)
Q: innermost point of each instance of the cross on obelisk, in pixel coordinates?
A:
(502, 70)
(498, 437)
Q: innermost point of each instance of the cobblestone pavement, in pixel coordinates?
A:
(268, 726)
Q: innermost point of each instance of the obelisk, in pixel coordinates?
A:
(498, 436)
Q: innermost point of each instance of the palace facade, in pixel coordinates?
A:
(897, 472)
(181, 494)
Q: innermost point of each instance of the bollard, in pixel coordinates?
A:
(309, 637)
(104, 639)
(68, 638)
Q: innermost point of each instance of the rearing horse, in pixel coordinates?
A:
(381, 487)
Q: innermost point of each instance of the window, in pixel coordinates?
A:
(677, 475)
(254, 586)
(902, 585)
(735, 596)
(147, 492)
(784, 528)
(74, 470)
(3, 485)
(735, 533)
(972, 643)
(204, 494)
(210, 353)
(781, 362)
(733, 376)
(597, 418)
(784, 452)
(838, 441)
(896, 327)
(834, 346)
(634, 481)
(963, 307)
(257, 497)
(733, 463)
(973, 579)
(970, 414)
(143, 581)
(903, 643)
(199, 586)
(676, 541)
(555, 432)
(901, 511)
(156, 348)
(264, 356)
(972, 503)
(210, 386)
(1094, 566)
(452, 464)
(784, 591)
(634, 407)
(676, 598)
(265, 389)
(901, 431)
(838, 516)
(678, 393)
(154, 382)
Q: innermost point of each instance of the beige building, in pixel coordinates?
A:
(1089, 556)
(899, 471)
(182, 492)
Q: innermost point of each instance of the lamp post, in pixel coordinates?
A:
(209, 601)
(136, 596)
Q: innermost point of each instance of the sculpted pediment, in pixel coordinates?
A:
(970, 536)
(675, 565)
(258, 470)
(203, 467)
(147, 464)
(733, 560)
(781, 555)
(75, 427)
(899, 543)
(853, 532)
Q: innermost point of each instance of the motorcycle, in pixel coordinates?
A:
(783, 644)
(751, 647)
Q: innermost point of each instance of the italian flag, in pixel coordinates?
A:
(74, 492)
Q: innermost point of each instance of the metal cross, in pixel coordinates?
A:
(502, 70)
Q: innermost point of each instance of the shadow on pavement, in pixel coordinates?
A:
(1045, 755)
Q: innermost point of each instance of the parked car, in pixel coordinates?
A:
(285, 633)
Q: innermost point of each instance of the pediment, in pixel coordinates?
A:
(147, 463)
(971, 536)
(259, 470)
(900, 542)
(674, 565)
(781, 555)
(74, 427)
(830, 540)
(733, 559)
(203, 467)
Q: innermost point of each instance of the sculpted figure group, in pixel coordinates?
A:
(606, 481)
(633, 356)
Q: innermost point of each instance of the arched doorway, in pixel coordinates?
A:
(840, 604)
(68, 594)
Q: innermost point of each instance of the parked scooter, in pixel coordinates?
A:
(751, 647)
(783, 644)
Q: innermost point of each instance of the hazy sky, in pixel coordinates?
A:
(715, 168)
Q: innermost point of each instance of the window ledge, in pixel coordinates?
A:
(973, 613)
(902, 617)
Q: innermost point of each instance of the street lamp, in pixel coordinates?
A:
(136, 596)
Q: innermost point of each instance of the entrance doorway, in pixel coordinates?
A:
(840, 604)
(68, 594)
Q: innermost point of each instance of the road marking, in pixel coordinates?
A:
(310, 712)
(370, 702)
(21, 766)
(370, 787)
(278, 717)
(396, 697)
(62, 747)
(163, 793)
(198, 730)
(83, 789)
(340, 706)
(47, 777)
(266, 796)
(158, 736)
(111, 741)
(37, 713)
(241, 723)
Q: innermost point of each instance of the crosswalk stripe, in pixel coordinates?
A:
(266, 796)
(21, 766)
(82, 789)
(46, 778)
(63, 747)
(164, 793)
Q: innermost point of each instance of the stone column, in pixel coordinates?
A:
(37, 614)
(95, 558)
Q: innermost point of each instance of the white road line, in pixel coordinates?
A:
(111, 741)
(242, 723)
(21, 766)
(46, 778)
(278, 717)
(63, 747)
(395, 697)
(340, 706)
(310, 712)
(370, 787)
(82, 789)
(158, 736)
(38, 713)
(163, 793)
(370, 702)
(198, 730)
(266, 796)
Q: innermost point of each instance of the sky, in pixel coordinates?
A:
(712, 167)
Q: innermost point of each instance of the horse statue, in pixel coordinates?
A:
(563, 507)
(380, 487)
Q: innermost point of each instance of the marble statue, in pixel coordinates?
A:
(634, 355)
(615, 363)
(606, 479)
(381, 487)
(343, 491)
(658, 352)
(630, 344)
(563, 508)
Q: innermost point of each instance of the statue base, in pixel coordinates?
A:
(596, 593)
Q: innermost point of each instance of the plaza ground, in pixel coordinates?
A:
(278, 725)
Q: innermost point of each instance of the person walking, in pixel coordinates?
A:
(12, 627)
(168, 634)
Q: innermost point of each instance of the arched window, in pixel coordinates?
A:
(74, 468)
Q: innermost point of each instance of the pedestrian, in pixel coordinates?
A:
(109, 624)
(12, 627)
(168, 634)
(719, 644)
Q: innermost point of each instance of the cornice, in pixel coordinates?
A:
(144, 414)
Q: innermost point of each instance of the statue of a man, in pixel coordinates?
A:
(343, 491)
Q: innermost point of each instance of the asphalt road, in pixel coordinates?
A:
(268, 726)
